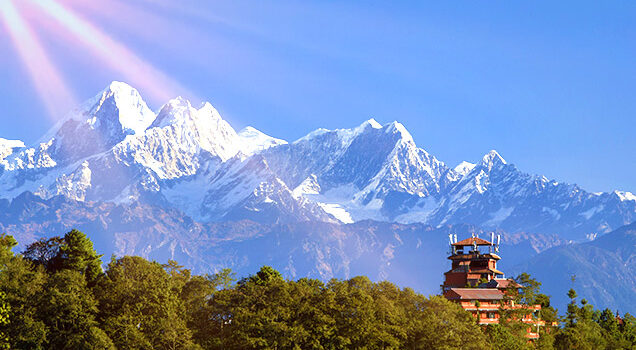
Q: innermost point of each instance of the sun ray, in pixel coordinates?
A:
(118, 57)
(56, 96)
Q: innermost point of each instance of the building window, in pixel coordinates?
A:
(491, 315)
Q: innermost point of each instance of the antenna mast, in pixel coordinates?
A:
(498, 241)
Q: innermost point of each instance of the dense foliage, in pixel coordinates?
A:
(56, 296)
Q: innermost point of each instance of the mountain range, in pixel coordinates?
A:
(182, 183)
(603, 270)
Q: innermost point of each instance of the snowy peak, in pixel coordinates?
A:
(625, 196)
(345, 136)
(175, 111)
(360, 166)
(464, 168)
(370, 123)
(492, 159)
(371, 126)
(194, 129)
(179, 111)
(254, 140)
(373, 123)
(119, 106)
(102, 122)
(397, 128)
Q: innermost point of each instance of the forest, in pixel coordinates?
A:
(58, 294)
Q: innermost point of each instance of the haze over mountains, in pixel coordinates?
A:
(604, 269)
(367, 200)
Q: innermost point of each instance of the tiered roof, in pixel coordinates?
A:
(474, 294)
(501, 283)
(471, 241)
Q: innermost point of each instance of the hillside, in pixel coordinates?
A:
(604, 270)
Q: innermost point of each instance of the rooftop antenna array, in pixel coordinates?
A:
(452, 239)
(498, 241)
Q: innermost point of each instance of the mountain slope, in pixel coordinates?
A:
(495, 194)
(411, 255)
(604, 270)
(123, 152)
(115, 149)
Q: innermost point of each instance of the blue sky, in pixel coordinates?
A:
(550, 85)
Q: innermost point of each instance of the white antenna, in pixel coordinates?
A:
(492, 238)
(498, 241)
(455, 238)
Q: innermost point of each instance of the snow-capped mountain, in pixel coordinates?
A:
(361, 173)
(255, 141)
(115, 149)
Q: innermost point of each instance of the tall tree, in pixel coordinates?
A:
(445, 325)
(23, 284)
(68, 309)
(6, 245)
(45, 252)
(74, 251)
(580, 330)
(77, 254)
(139, 308)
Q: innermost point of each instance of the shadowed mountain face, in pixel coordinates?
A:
(182, 183)
(604, 270)
(408, 254)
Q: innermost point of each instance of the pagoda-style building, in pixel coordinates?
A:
(475, 283)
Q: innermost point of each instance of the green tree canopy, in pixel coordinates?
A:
(139, 308)
(74, 251)
(56, 296)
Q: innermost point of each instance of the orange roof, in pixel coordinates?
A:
(474, 294)
(470, 241)
(501, 283)
(463, 256)
(486, 270)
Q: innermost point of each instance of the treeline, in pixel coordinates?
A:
(55, 295)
